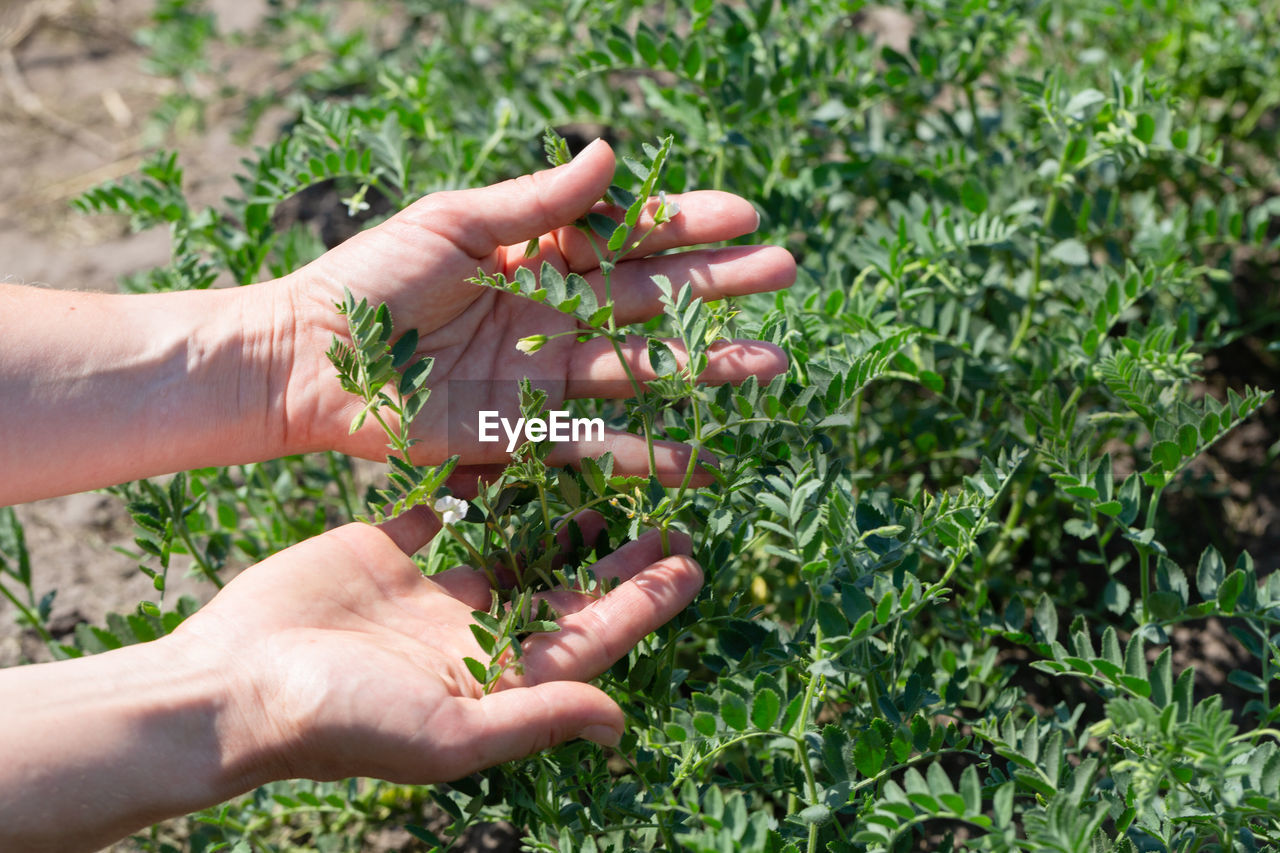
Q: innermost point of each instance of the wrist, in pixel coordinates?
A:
(174, 380)
(131, 737)
(263, 333)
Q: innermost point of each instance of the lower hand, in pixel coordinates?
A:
(344, 660)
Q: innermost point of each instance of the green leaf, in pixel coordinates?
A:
(595, 477)
(602, 225)
(555, 147)
(1167, 455)
(1247, 681)
(1230, 590)
(692, 62)
(662, 359)
(765, 708)
(577, 286)
(415, 376)
(973, 196)
(1209, 573)
(734, 712)
(884, 609)
(484, 638)
(477, 670)
(1162, 679)
(618, 238)
(1046, 619)
(552, 282)
(971, 790)
(1070, 252)
(1076, 150)
(1002, 803)
(1116, 597)
(1146, 128)
(815, 815)
(1164, 604)
(404, 349)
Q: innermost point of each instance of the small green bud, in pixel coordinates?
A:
(531, 344)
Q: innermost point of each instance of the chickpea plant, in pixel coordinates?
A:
(958, 557)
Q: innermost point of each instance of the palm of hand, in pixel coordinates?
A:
(419, 262)
(356, 660)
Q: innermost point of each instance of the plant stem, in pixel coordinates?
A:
(1144, 554)
(1049, 208)
(28, 615)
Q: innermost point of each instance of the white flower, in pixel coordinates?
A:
(356, 203)
(531, 344)
(452, 510)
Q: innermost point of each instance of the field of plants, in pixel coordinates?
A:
(992, 566)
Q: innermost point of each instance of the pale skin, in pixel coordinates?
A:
(335, 657)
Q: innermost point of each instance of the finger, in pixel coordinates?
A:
(411, 530)
(596, 372)
(478, 221)
(513, 723)
(584, 530)
(592, 639)
(631, 458)
(712, 274)
(621, 565)
(706, 216)
(466, 480)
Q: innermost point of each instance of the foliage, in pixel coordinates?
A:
(943, 590)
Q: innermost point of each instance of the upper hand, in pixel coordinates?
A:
(418, 262)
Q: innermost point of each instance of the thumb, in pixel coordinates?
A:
(519, 721)
(515, 211)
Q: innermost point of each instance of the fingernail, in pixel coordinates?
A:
(592, 144)
(603, 735)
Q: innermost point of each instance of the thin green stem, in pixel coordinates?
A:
(343, 493)
(208, 570)
(1144, 557)
(1050, 208)
(28, 615)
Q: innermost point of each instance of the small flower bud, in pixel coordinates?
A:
(531, 344)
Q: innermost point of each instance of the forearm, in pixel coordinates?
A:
(98, 389)
(99, 747)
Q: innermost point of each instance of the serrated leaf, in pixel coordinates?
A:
(764, 709)
(734, 712)
(550, 280)
(1167, 455)
(601, 225)
(662, 359)
(618, 238)
(483, 638)
(1209, 573)
(1230, 590)
(404, 349)
(477, 670)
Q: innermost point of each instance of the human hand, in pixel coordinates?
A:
(418, 263)
(344, 660)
